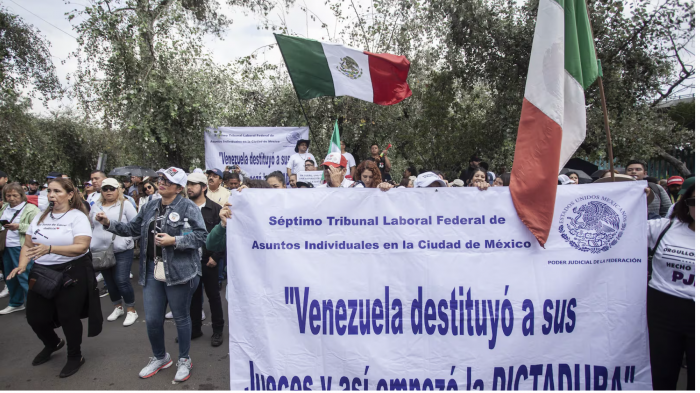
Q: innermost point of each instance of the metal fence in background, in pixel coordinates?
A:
(662, 169)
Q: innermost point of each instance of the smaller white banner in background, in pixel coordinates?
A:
(313, 177)
(256, 150)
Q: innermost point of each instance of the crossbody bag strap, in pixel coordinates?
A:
(17, 212)
(658, 241)
(119, 218)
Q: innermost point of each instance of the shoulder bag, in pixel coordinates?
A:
(650, 262)
(3, 234)
(105, 259)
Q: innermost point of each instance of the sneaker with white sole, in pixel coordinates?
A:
(155, 365)
(184, 370)
(99, 277)
(131, 317)
(11, 309)
(169, 315)
(5, 293)
(118, 312)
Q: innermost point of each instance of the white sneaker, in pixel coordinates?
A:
(155, 365)
(184, 370)
(131, 317)
(204, 316)
(5, 293)
(10, 309)
(169, 315)
(99, 277)
(131, 275)
(118, 312)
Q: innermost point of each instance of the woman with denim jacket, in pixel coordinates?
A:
(173, 230)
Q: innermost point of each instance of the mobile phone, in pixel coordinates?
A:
(4, 222)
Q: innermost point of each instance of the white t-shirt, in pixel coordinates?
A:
(297, 161)
(351, 162)
(101, 238)
(345, 184)
(59, 232)
(93, 198)
(12, 239)
(674, 261)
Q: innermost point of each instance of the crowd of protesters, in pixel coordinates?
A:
(181, 218)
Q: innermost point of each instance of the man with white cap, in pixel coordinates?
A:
(334, 171)
(197, 192)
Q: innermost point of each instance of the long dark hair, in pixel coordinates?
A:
(681, 211)
(506, 179)
(477, 170)
(75, 203)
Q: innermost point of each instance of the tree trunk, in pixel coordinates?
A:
(678, 164)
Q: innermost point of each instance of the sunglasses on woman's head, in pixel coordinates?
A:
(690, 202)
(108, 188)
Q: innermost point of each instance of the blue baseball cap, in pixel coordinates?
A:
(216, 172)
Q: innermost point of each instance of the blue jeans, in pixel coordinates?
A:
(156, 297)
(117, 279)
(19, 285)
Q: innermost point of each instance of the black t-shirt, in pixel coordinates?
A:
(156, 226)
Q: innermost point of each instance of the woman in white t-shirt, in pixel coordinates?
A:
(112, 202)
(59, 240)
(671, 295)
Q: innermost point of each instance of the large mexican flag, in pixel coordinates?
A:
(553, 118)
(323, 69)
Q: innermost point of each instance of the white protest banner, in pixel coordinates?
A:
(313, 177)
(257, 150)
(439, 288)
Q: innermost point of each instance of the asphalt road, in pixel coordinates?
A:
(113, 359)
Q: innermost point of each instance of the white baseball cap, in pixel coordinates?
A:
(428, 178)
(175, 175)
(110, 181)
(197, 178)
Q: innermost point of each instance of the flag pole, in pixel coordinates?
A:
(602, 98)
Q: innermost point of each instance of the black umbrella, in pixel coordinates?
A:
(583, 177)
(600, 173)
(582, 165)
(133, 170)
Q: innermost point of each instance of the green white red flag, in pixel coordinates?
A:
(323, 69)
(553, 118)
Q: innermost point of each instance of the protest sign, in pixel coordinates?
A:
(257, 150)
(416, 289)
(313, 177)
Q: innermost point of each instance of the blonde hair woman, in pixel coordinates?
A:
(115, 205)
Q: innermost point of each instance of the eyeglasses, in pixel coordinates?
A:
(164, 180)
(690, 202)
(108, 188)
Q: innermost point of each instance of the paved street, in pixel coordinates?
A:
(113, 359)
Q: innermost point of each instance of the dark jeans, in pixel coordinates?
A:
(67, 305)
(156, 297)
(671, 323)
(117, 279)
(210, 282)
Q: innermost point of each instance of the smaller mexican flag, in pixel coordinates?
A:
(334, 146)
(323, 69)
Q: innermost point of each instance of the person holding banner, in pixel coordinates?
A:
(297, 162)
(369, 176)
(275, 180)
(334, 171)
(671, 294)
(173, 230)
